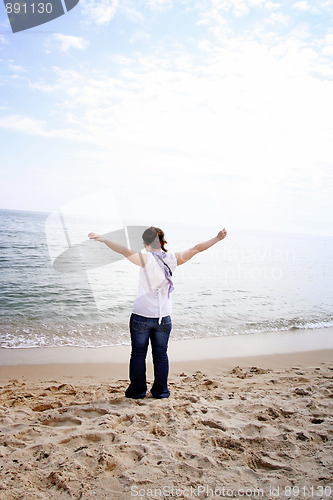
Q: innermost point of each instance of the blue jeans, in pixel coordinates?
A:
(142, 329)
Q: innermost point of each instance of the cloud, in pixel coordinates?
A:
(179, 110)
(130, 8)
(272, 5)
(16, 72)
(65, 42)
(244, 108)
(139, 36)
(240, 8)
(160, 5)
(30, 126)
(16, 68)
(3, 40)
(25, 124)
(194, 109)
(278, 18)
(99, 11)
(328, 46)
(302, 5)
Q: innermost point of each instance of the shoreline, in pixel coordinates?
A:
(229, 346)
(212, 355)
(87, 373)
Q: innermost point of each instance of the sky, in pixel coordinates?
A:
(192, 111)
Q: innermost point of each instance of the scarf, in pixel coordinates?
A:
(160, 256)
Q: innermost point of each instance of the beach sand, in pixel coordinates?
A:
(258, 426)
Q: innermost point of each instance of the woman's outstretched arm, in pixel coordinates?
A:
(186, 255)
(139, 259)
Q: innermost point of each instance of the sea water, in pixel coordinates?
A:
(250, 282)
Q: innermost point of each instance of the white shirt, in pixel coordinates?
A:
(152, 300)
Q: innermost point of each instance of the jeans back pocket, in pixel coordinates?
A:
(139, 323)
(166, 324)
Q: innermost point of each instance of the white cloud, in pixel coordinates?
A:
(65, 42)
(139, 36)
(30, 126)
(328, 50)
(324, 71)
(160, 5)
(185, 112)
(23, 124)
(240, 8)
(130, 9)
(3, 40)
(16, 67)
(277, 18)
(99, 11)
(272, 5)
(240, 93)
(247, 110)
(17, 72)
(43, 86)
(302, 5)
(328, 46)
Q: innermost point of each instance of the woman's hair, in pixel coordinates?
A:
(154, 236)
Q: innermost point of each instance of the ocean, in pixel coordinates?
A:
(250, 282)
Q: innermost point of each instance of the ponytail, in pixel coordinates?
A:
(161, 238)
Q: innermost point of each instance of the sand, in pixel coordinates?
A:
(245, 427)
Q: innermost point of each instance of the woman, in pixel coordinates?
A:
(150, 318)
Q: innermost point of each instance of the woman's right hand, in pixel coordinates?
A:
(97, 237)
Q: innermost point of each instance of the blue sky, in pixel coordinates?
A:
(215, 111)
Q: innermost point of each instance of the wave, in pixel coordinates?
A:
(36, 334)
(289, 325)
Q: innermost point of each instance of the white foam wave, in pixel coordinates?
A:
(108, 335)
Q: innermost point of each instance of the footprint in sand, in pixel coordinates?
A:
(60, 421)
(92, 437)
(90, 412)
(46, 406)
(131, 453)
(214, 425)
(252, 430)
(259, 461)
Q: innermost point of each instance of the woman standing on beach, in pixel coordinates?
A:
(150, 318)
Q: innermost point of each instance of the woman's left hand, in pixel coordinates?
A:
(222, 234)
